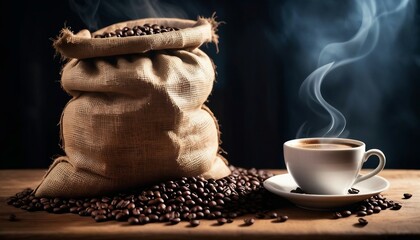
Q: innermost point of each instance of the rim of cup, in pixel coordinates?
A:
(294, 143)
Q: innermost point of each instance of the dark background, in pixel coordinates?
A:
(261, 64)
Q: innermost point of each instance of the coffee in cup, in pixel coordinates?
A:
(328, 165)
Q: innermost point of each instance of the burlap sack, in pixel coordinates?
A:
(137, 115)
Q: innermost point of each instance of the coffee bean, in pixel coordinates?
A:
(249, 221)
(376, 209)
(194, 223)
(363, 222)
(346, 213)
(175, 220)
(221, 221)
(297, 190)
(353, 191)
(369, 212)
(396, 206)
(57, 210)
(100, 218)
(282, 219)
(133, 221)
(120, 216)
(144, 220)
(260, 215)
(337, 215)
(153, 218)
(273, 215)
(361, 213)
(407, 195)
(229, 220)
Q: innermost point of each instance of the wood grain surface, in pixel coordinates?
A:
(302, 224)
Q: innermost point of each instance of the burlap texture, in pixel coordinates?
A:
(137, 115)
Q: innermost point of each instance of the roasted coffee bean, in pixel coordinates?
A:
(175, 220)
(297, 190)
(74, 210)
(221, 221)
(407, 195)
(376, 209)
(337, 215)
(396, 206)
(273, 215)
(144, 220)
(135, 212)
(260, 215)
(133, 221)
(369, 212)
(282, 219)
(361, 213)
(229, 220)
(153, 218)
(346, 213)
(100, 218)
(353, 191)
(363, 222)
(121, 216)
(57, 210)
(249, 221)
(194, 223)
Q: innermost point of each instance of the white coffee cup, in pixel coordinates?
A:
(328, 165)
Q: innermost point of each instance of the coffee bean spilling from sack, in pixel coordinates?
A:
(189, 199)
(146, 29)
(185, 199)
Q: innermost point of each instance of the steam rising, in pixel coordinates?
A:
(100, 13)
(336, 55)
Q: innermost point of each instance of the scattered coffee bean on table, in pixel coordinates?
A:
(282, 219)
(249, 221)
(146, 29)
(407, 195)
(363, 222)
(221, 221)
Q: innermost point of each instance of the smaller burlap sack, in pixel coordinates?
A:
(137, 115)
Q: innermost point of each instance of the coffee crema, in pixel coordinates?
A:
(325, 145)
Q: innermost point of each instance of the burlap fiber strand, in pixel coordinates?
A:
(137, 115)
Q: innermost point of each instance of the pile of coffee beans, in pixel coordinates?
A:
(374, 204)
(146, 29)
(186, 199)
(191, 199)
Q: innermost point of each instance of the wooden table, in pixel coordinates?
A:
(302, 224)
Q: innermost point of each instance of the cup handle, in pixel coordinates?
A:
(382, 161)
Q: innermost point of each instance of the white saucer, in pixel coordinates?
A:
(282, 185)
